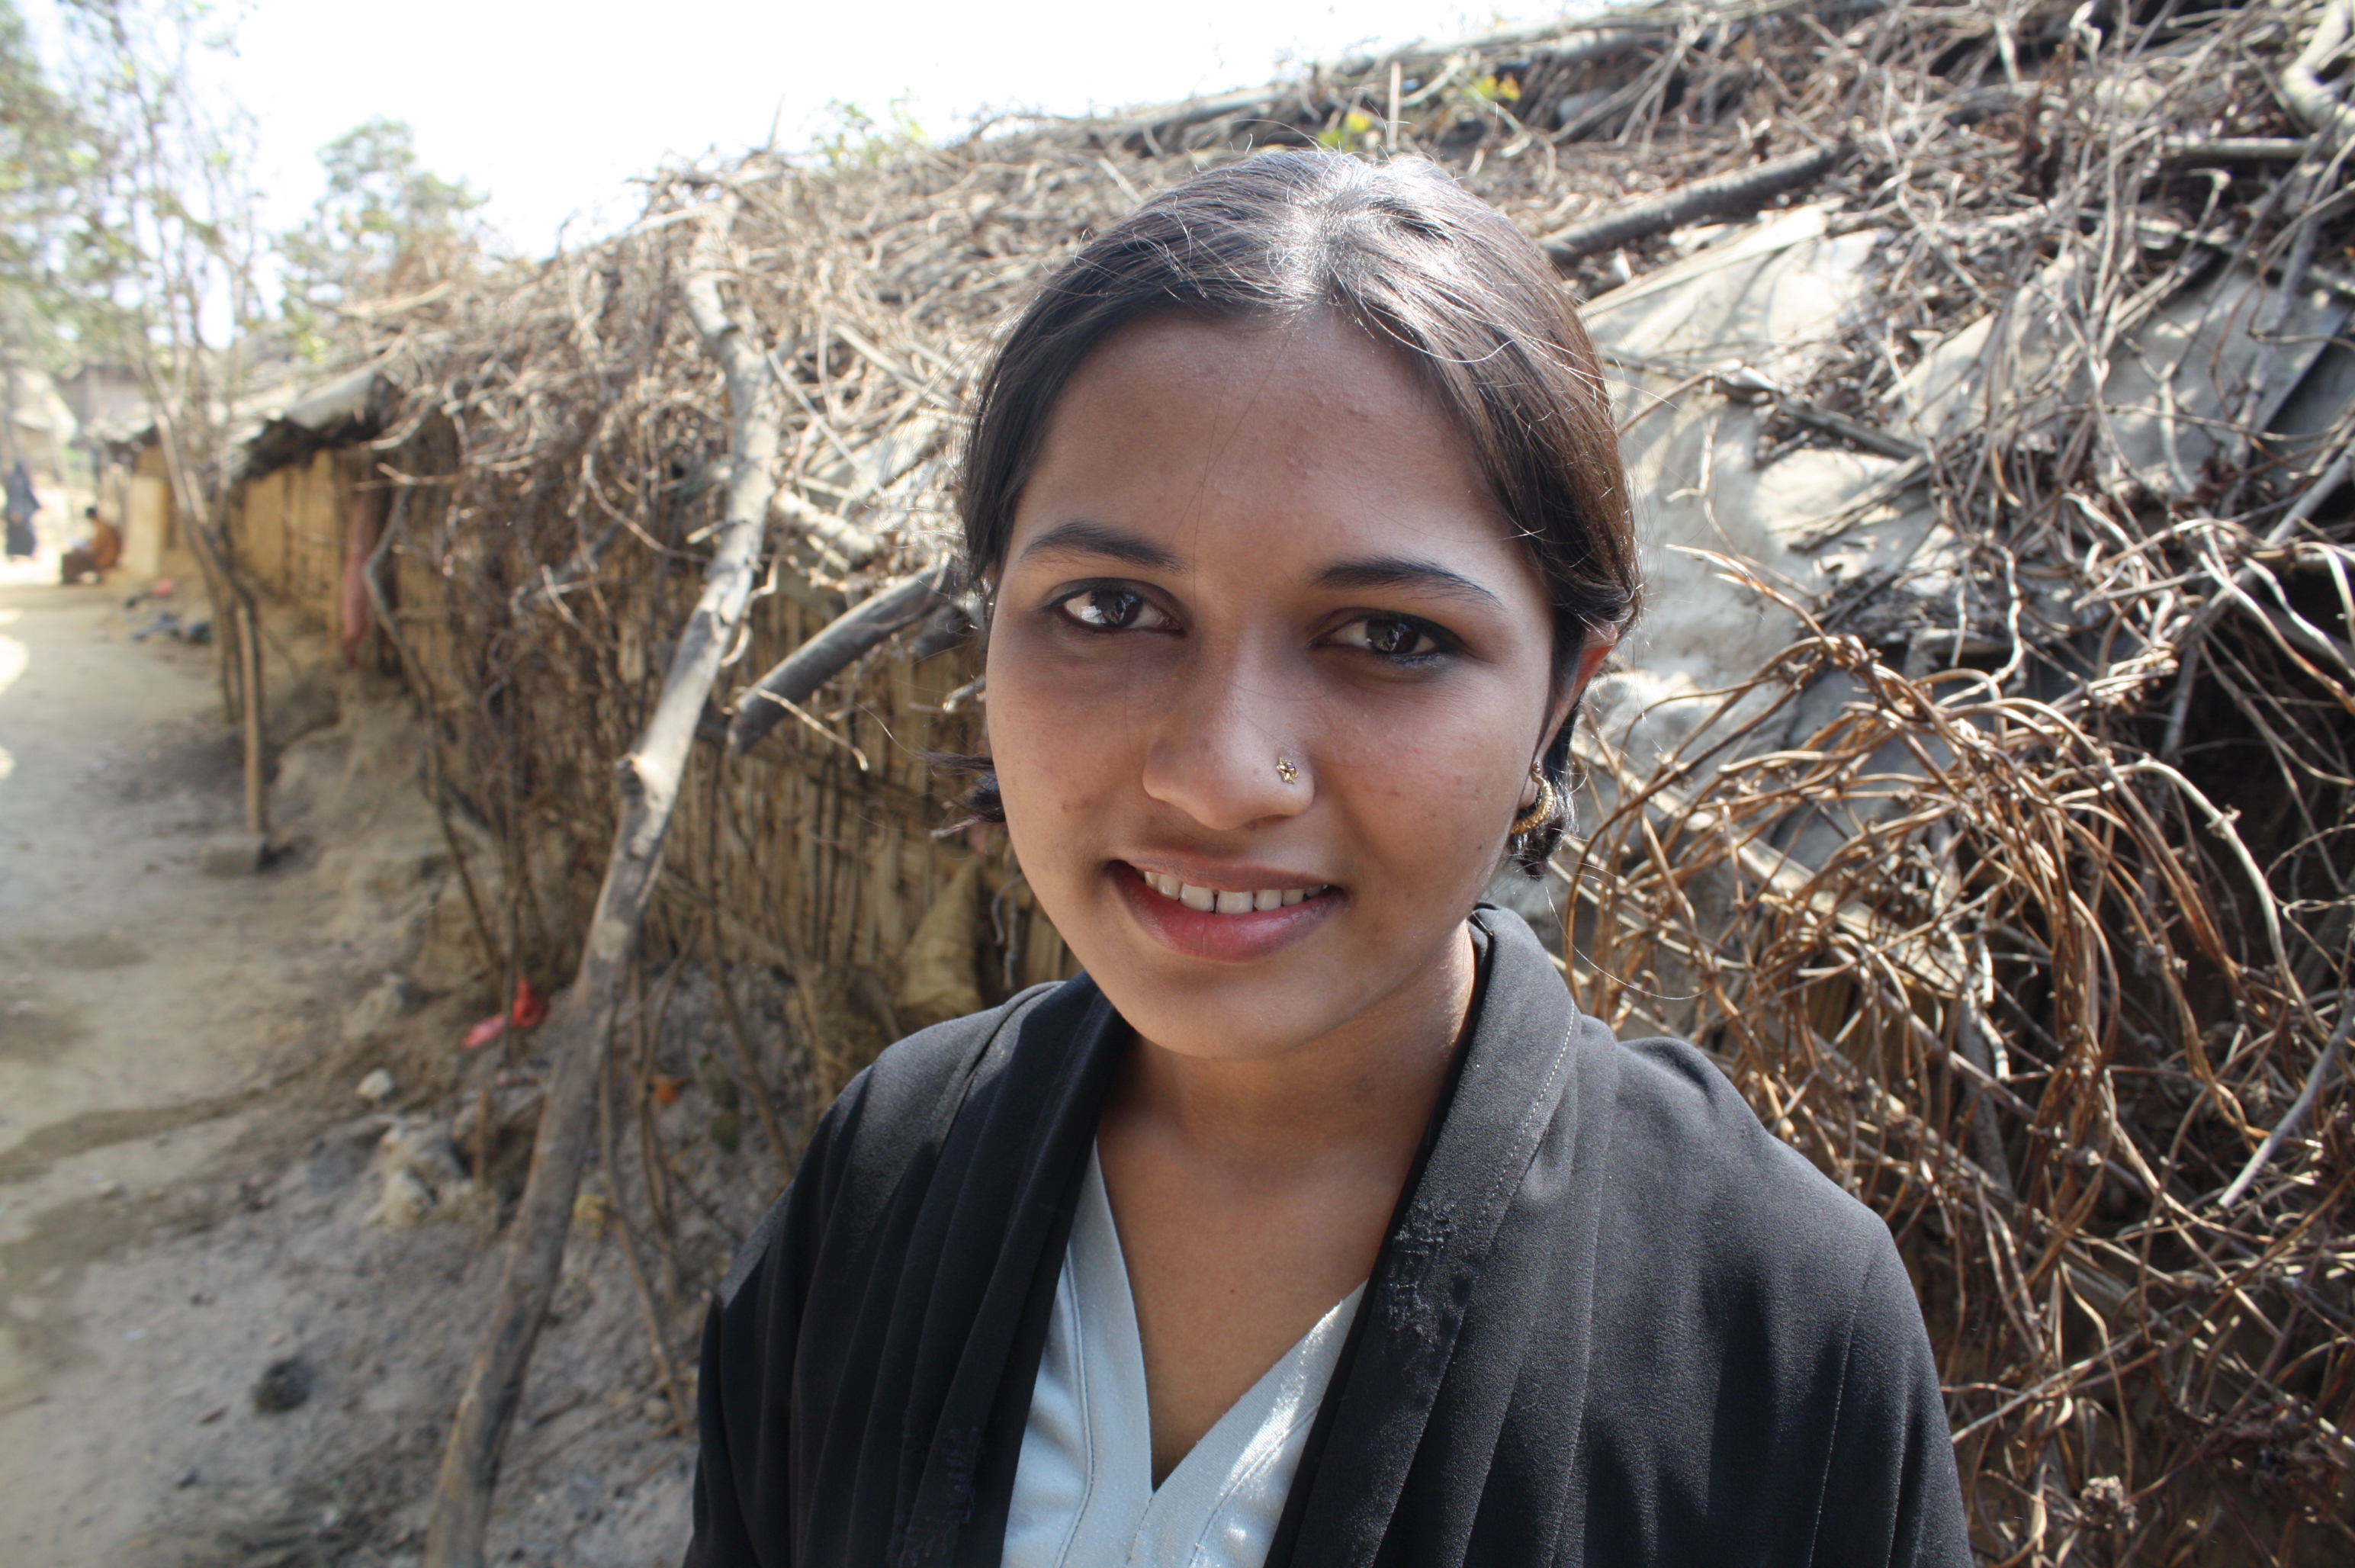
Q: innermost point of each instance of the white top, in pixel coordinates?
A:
(1083, 1492)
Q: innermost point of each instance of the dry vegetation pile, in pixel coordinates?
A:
(2021, 907)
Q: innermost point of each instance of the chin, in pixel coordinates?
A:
(1231, 1019)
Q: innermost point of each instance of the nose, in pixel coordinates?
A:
(1223, 742)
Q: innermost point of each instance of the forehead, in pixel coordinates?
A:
(1306, 435)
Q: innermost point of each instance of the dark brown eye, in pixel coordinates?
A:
(1392, 636)
(1109, 609)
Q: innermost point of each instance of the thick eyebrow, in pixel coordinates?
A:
(1104, 540)
(1404, 571)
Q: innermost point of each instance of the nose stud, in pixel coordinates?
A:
(1286, 770)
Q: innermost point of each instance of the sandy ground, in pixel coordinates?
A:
(188, 1184)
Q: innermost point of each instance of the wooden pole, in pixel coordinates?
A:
(580, 1024)
(249, 680)
(237, 625)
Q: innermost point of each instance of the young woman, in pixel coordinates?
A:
(1313, 1224)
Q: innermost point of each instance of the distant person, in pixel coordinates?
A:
(1314, 1222)
(24, 506)
(91, 555)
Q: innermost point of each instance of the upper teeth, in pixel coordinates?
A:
(1208, 900)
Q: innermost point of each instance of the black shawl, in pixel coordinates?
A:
(1613, 1320)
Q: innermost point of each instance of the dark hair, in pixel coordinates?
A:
(1410, 254)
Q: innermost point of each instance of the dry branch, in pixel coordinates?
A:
(767, 702)
(2287, 1127)
(2194, 152)
(1727, 194)
(580, 1024)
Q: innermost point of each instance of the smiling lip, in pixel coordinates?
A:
(1228, 924)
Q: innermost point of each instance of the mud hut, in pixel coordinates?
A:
(1977, 791)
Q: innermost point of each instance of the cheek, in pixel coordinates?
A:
(1056, 738)
(1432, 785)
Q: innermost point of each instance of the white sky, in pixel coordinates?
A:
(551, 109)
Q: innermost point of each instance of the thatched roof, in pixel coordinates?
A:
(1977, 789)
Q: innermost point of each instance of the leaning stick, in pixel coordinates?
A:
(1745, 191)
(799, 674)
(583, 1021)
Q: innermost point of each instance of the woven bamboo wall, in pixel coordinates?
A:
(287, 529)
(810, 860)
(813, 859)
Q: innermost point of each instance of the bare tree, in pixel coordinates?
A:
(168, 193)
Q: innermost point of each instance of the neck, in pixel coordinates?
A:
(1363, 1090)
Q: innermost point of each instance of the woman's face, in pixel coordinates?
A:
(1267, 673)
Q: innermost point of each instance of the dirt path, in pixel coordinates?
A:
(187, 1181)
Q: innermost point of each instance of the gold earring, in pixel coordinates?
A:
(1541, 810)
(1286, 770)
